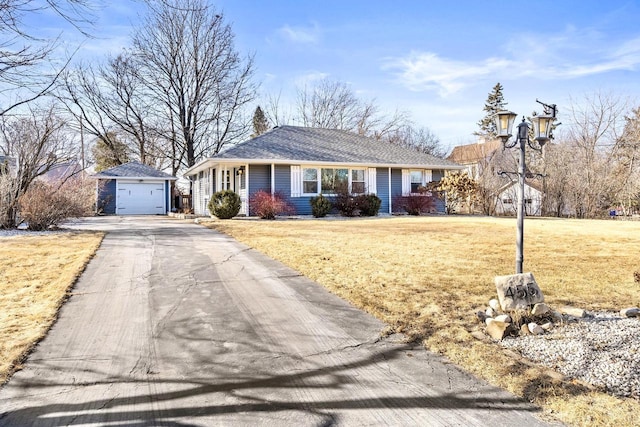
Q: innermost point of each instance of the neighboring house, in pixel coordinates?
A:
(133, 189)
(475, 157)
(8, 165)
(63, 172)
(301, 163)
(507, 198)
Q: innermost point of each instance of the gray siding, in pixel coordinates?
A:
(437, 176)
(396, 183)
(382, 184)
(107, 196)
(283, 184)
(259, 179)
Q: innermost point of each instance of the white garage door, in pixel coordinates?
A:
(140, 198)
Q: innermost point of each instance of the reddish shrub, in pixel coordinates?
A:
(414, 204)
(266, 206)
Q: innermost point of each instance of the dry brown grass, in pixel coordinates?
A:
(427, 276)
(36, 273)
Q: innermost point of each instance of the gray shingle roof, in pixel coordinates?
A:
(132, 170)
(326, 145)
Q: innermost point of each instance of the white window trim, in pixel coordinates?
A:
(298, 184)
(427, 177)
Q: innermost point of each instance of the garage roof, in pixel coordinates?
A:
(133, 170)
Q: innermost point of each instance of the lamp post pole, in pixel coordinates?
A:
(523, 135)
(542, 133)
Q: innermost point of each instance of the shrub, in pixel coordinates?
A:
(414, 204)
(266, 206)
(320, 206)
(46, 205)
(345, 202)
(224, 204)
(369, 204)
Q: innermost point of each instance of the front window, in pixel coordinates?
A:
(310, 181)
(334, 180)
(416, 181)
(357, 181)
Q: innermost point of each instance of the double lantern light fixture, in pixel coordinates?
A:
(542, 127)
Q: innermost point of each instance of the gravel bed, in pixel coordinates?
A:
(602, 349)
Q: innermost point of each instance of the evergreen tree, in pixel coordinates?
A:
(260, 123)
(109, 152)
(495, 102)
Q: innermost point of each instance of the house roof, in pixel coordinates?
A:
(132, 170)
(536, 185)
(473, 153)
(308, 145)
(10, 161)
(63, 171)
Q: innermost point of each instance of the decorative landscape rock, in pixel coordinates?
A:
(490, 312)
(495, 304)
(630, 312)
(555, 315)
(496, 329)
(518, 291)
(573, 311)
(503, 318)
(540, 309)
(547, 326)
(535, 329)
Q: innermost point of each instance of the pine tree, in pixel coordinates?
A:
(260, 123)
(108, 152)
(494, 103)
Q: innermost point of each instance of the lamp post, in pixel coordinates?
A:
(542, 133)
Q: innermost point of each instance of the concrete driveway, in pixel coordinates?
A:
(173, 324)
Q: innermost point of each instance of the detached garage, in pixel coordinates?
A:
(133, 189)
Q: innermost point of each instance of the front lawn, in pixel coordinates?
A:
(427, 276)
(36, 273)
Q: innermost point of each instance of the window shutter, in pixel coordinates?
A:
(406, 182)
(371, 184)
(428, 176)
(296, 181)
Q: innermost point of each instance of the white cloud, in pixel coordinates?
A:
(301, 35)
(428, 71)
(565, 56)
(309, 78)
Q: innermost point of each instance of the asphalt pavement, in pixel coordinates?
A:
(173, 324)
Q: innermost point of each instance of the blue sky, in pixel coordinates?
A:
(437, 60)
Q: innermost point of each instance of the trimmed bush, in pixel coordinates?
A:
(266, 206)
(369, 204)
(320, 206)
(224, 204)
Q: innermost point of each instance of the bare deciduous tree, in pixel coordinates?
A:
(26, 73)
(626, 155)
(595, 124)
(333, 105)
(420, 139)
(37, 142)
(197, 80)
(112, 105)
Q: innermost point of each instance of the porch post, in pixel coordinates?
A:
(390, 197)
